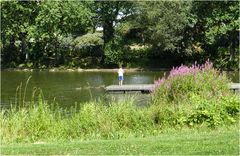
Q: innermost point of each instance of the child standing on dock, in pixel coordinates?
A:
(120, 76)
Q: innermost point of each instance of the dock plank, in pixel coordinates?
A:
(234, 86)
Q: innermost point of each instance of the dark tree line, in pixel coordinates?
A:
(42, 34)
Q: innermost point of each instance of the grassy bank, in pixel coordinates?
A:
(223, 141)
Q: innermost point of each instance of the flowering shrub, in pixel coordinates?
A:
(183, 81)
(193, 96)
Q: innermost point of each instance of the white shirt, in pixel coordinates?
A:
(120, 72)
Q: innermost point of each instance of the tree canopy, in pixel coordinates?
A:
(42, 34)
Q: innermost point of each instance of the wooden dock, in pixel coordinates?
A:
(143, 88)
(147, 88)
(234, 86)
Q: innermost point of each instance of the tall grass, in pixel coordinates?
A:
(97, 120)
(199, 98)
(20, 96)
(93, 120)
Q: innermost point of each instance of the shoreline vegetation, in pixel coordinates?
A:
(191, 97)
(86, 69)
(65, 69)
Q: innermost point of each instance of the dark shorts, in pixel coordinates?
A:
(120, 78)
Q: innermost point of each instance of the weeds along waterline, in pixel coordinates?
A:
(117, 120)
(41, 123)
(20, 96)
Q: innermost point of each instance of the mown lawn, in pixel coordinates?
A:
(221, 141)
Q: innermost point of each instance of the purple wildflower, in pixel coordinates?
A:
(182, 71)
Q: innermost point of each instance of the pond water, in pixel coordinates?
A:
(69, 88)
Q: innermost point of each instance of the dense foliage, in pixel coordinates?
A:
(41, 34)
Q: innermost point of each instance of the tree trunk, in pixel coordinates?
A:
(234, 38)
(24, 48)
(108, 30)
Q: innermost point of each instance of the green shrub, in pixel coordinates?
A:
(195, 95)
